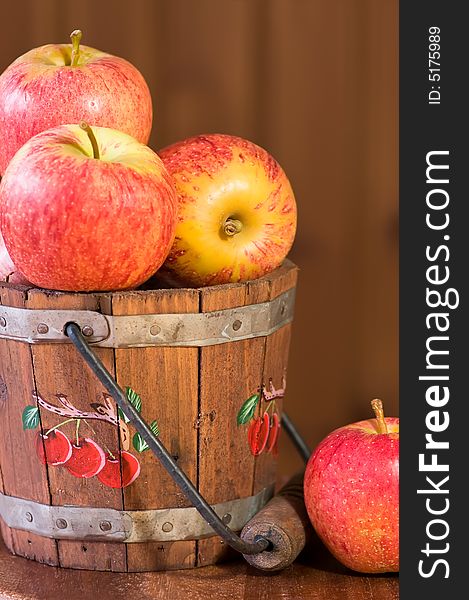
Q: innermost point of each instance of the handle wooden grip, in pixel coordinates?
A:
(285, 523)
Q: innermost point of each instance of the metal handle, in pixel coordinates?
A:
(302, 447)
(259, 544)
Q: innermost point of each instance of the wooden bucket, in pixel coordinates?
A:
(192, 368)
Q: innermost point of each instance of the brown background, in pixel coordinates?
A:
(315, 83)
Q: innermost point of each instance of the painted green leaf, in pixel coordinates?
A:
(154, 427)
(30, 417)
(134, 400)
(122, 417)
(246, 412)
(139, 443)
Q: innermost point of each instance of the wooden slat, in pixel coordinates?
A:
(167, 381)
(4, 530)
(229, 375)
(22, 473)
(58, 368)
(275, 368)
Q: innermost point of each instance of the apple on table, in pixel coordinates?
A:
(87, 209)
(351, 490)
(237, 210)
(58, 84)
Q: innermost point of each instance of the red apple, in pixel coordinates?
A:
(120, 471)
(8, 271)
(53, 448)
(351, 490)
(55, 85)
(237, 211)
(87, 458)
(86, 209)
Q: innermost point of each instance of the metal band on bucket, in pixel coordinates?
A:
(34, 326)
(128, 526)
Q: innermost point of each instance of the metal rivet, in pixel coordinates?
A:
(3, 322)
(42, 328)
(105, 526)
(236, 325)
(61, 524)
(167, 527)
(226, 518)
(283, 309)
(155, 329)
(87, 331)
(29, 517)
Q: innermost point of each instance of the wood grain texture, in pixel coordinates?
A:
(314, 576)
(5, 531)
(167, 381)
(285, 523)
(316, 84)
(229, 374)
(58, 368)
(277, 348)
(21, 472)
(194, 394)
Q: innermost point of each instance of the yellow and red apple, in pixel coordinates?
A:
(87, 209)
(351, 490)
(58, 84)
(236, 214)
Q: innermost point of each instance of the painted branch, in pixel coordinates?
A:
(63, 400)
(69, 411)
(274, 393)
(109, 402)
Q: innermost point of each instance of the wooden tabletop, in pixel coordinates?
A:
(314, 576)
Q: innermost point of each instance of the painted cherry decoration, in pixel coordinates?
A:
(120, 471)
(87, 458)
(258, 434)
(82, 456)
(273, 434)
(54, 448)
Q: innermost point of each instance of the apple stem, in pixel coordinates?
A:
(377, 407)
(57, 426)
(232, 226)
(92, 137)
(75, 36)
